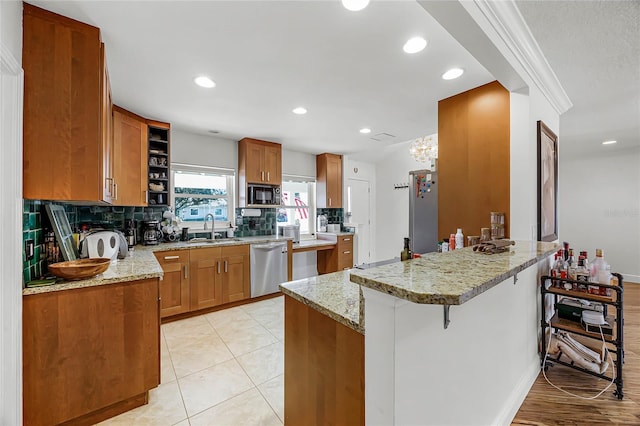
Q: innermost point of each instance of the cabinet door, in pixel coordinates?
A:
(328, 181)
(88, 348)
(205, 282)
(62, 147)
(107, 130)
(130, 159)
(334, 181)
(174, 287)
(273, 165)
(255, 163)
(237, 274)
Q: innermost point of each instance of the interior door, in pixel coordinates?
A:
(359, 203)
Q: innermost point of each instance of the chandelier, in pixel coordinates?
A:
(424, 149)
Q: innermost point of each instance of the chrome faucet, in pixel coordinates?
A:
(213, 226)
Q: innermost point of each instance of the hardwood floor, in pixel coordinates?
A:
(545, 405)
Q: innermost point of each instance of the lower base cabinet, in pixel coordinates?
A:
(202, 278)
(323, 369)
(90, 353)
(337, 259)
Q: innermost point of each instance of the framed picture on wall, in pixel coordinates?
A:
(547, 184)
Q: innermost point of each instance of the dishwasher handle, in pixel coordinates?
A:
(270, 246)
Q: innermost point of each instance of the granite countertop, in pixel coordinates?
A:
(222, 242)
(333, 295)
(140, 265)
(451, 278)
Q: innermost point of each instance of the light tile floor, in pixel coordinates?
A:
(222, 368)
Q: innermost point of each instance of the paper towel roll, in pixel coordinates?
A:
(250, 212)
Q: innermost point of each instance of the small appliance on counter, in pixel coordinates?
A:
(322, 223)
(131, 233)
(104, 244)
(292, 231)
(151, 234)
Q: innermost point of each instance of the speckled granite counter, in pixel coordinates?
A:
(451, 278)
(331, 294)
(142, 264)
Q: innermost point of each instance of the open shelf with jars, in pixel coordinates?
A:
(159, 163)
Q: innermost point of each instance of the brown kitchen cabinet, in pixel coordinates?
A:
(236, 281)
(66, 150)
(89, 353)
(338, 258)
(130, 148)
(174, 287)
(328, 181)
(159, 162)
(206, 277)
(259, 162)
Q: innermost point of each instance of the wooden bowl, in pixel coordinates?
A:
(79, 269)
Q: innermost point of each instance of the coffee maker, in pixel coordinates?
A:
(150, 233)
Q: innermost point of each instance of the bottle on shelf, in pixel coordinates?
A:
(452, 242)
(600, 273)
(459, 239)
(445, 245)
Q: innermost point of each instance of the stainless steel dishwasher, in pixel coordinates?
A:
(269, 266)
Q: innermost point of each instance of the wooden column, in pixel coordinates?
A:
(473, 159)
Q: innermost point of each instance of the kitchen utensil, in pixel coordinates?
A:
(79, 269)
(493, 246)
(62, 230)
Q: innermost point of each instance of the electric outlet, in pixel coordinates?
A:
(29, 251)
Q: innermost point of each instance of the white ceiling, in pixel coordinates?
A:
(347, 68)
(594, 49)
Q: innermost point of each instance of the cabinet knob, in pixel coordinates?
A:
(218, 266)
(171, 257)
(186, 274)
(225, 267)
(346, 252)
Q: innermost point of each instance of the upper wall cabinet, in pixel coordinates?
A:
(67, 151)
(328, 181)
(258, 162)
(130, 148)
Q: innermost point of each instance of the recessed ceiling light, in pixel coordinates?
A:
(355, 5)
(204, 81)
(365, 130)
(609, 142)
(414, 45)
(453, 73)
(300, 110)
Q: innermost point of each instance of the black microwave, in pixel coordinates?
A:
(264, 195)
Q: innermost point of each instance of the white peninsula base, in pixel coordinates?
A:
(476, 372)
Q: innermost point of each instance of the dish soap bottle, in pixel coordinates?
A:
(459, 239)
(405, 254)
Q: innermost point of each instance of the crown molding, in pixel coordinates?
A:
(509, 25)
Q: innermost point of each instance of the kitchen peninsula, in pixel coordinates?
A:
(456, 329)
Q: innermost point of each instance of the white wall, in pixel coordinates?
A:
(600, 207)
(298, 163)
(190, 148)
(11, 90)
(526, 108)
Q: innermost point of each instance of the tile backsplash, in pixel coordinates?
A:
(35, 225)
(265, 224)
(333, 215)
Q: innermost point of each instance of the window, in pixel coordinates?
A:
(299, 203)
(201, 191)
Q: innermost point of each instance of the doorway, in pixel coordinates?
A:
(359, 212)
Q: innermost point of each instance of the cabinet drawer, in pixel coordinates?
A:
(241, 250)
(172, 256)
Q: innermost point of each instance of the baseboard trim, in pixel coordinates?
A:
(631, 279)
(520, 392)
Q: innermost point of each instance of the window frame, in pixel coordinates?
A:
(230, 176)
(311, 182)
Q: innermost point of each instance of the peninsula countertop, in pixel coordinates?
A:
(331, 294)
(451, 278)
